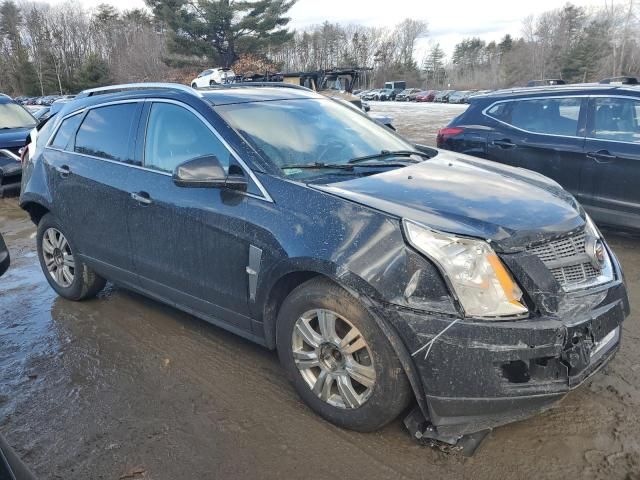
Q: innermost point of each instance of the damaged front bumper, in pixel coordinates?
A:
(477, 375)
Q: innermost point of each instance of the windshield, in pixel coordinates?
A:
(309, 131)
(13, 115)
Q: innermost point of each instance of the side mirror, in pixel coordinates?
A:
(207, 172)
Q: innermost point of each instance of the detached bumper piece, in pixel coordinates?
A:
(426, 434)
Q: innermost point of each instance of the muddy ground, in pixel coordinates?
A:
(123, 387)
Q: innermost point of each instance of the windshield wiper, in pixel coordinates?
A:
(387, 154)
(318, 166)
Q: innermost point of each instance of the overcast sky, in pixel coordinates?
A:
(449, 21)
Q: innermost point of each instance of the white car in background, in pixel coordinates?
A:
(213, 76)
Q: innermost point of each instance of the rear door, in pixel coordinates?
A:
(187, 242)
(89, 161)
(541, 134)
(612, 176)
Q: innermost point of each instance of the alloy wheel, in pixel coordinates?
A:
(333, 358)
(58, 257)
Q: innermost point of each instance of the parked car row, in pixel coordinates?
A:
(419, 95)
(44, 100)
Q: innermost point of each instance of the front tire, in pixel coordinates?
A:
(67, 274)
(340, 362)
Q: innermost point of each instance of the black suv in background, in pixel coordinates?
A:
(382, 271)
(15, 124)
(585, 137)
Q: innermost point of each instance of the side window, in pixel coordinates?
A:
(500, 111)
(557, 116)
(105, 132)
(616, 119)
(66, 131)
(175, 135)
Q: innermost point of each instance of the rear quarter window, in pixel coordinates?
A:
(65, 132)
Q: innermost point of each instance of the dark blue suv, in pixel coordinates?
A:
(382, 271)
(585, 137)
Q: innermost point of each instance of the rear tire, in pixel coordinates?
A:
(327, 340)
(194, 85)
(67, 274)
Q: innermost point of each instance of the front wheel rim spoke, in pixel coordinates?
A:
(327, 324)
(358, 344)
(49, 262)
(307, 333)
(58, 275)
(47, 246)
(63, 243)
(347, 392)
(326, 388)
(51, 237)
(320, 381)
(364, 375)
(305, 360)
(69, 261)
(67, 275)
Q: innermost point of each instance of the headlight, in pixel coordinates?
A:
(482, 284)
(597, 252)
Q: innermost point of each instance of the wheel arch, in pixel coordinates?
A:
(36, 210)
(360, 290)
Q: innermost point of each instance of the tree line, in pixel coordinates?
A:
(62, 48)
(570, 43)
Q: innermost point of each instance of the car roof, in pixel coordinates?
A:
(218, 95)
(547, 90)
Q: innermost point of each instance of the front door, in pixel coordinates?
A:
(613, 161)
(186, 242)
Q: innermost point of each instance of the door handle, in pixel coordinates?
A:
(142, 198)
(601, 156)
(63, 170)
(505, 143)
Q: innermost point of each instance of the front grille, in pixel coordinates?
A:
(567, 260)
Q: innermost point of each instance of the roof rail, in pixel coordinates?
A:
(138, 86)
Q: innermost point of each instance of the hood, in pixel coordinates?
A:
(14, 137)
(468, 196)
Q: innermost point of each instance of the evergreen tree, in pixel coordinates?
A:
(505, 45)
(94, 73)
(433, 66)
(223, 29)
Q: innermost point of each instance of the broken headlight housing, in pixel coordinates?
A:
(478, 278)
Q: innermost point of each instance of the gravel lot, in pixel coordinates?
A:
(124, 387)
